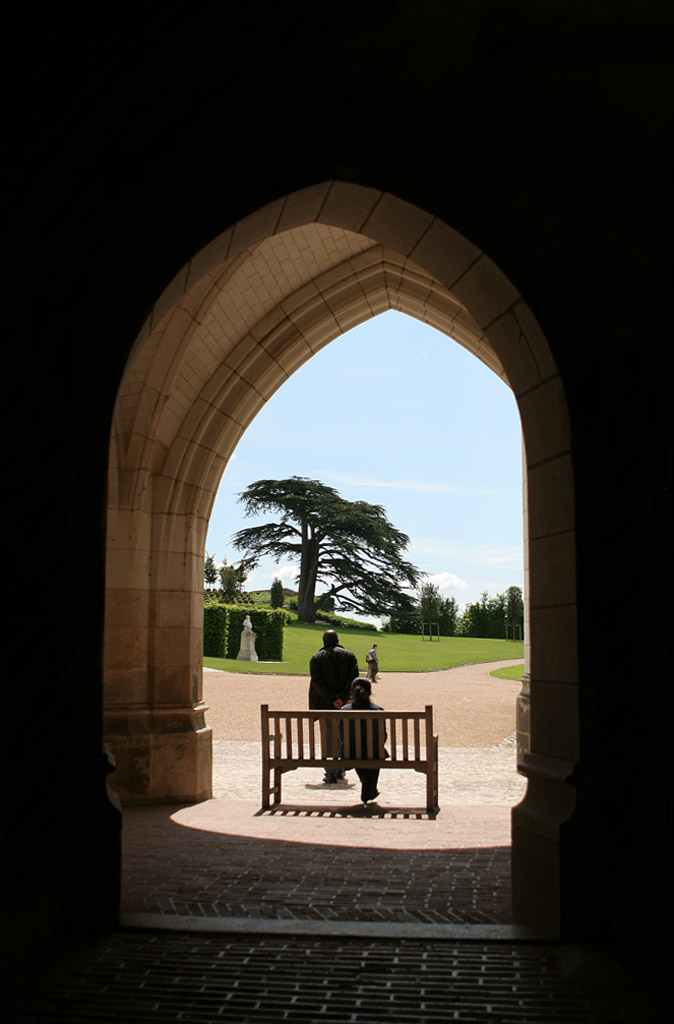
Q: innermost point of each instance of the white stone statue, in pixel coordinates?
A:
(247, 648)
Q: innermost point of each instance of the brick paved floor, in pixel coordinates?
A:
(323, 856)
(325, 862)
(223, 859)
(155, 977)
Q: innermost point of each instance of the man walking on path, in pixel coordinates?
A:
(372, 659)
(332, 670)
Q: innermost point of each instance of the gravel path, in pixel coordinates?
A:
(470, 707)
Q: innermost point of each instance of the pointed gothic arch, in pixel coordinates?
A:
(247, 311)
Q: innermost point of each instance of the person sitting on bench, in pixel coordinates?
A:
(360, 700)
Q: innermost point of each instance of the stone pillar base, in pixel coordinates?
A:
(544, 872)
(162, 756)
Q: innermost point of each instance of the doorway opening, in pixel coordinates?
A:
(395, 414)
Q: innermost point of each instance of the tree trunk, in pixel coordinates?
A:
(306, 611)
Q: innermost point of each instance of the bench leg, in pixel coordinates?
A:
(436, 784)
(432, 788)
(271, 790)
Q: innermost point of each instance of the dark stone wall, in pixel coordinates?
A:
(541, 132)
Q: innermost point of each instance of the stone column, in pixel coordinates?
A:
(154, 721)
(547, 874)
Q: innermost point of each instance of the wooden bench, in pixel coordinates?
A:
(311, 739)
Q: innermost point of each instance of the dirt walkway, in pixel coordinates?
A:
(470, 707)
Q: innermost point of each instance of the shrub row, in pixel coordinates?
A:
(223, 625)
(215, 629)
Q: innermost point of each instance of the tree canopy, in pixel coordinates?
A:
(232, 579)
(210, 571)
(430, 601)
(514, 610)
(350, 547)
(276, 595)
(490, 616)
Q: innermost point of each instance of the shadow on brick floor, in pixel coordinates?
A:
(313, 864)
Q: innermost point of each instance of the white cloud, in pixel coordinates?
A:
(286, 573)
(262, 575)
(447, 581)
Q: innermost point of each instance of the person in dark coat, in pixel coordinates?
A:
(332, 671)
(360, 700)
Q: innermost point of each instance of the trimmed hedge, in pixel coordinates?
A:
(223, 624)
(215, 630)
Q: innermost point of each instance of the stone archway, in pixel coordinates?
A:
(246, 312)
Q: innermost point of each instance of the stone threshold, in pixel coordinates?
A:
(334, 929)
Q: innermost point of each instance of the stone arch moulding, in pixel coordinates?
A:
(241, 316)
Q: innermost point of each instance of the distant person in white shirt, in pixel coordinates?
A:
(372, 659)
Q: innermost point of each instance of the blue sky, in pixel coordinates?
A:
(396, 414)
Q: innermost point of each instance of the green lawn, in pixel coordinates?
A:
(397, 652)
(509, 672)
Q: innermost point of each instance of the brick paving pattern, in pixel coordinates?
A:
(323, 856)
(157, 977)
(311, 866)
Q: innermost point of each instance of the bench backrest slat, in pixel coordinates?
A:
(312, 735)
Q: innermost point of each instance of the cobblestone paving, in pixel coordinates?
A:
(466, 775)
(162, 977)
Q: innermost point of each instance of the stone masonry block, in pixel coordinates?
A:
(545, 421)
(551, 497)
(397, 224)
(444, 253)
(211, 260)
(554, 719)
(554, 659)
(348, 206)
(485, 291)
(254, 229)
(508, 341)
(554, 579)
(303, 207)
